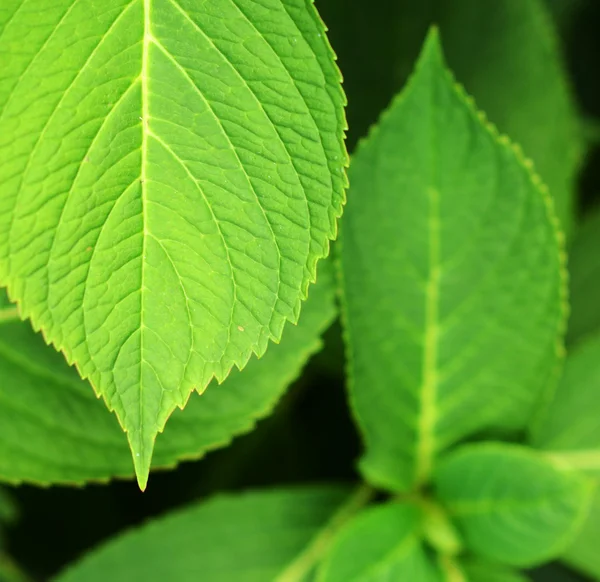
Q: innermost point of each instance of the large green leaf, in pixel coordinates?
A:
(512, 504)
(171, 172)
(452, 278)
(381, 544)
(55, 430)
(254, 537)
(505, 52)
(584, 277)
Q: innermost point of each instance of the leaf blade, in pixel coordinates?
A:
(437, 259)
(275, 527)
(381, 543)
(186, 168)
(71, 438)
(512, 505)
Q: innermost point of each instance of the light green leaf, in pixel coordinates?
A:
(569, 428)
(505, 52)
(171, 172)
(254, 537)
(55, 430)
(452, 278)
(583, 553)
(569, 432)
(584, 277)
(380, 544)
(512, 505)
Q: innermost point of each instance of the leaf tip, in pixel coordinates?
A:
(142, 458)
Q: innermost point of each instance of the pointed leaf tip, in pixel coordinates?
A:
(142, 458)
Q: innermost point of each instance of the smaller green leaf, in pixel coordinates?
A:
(478, 570)
(253, 537)
(382, 543)
(584, 273)
(569, 429)
(511, 503)
(583, 553)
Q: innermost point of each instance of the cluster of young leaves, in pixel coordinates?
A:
(451, 267)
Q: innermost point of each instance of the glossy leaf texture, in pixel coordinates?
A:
(569, 432)
(380, 544)
(510, 62)
(453, 283)
(55, 431)
(584, 279)
(511, 504)
(252, 537)
(171, 173)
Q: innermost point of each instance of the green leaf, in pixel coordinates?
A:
(569, 432)
(583, 553)
(171, 173)
(54, 429)
(380, 544)
(505, 52)
(478, 570)
(584, 275)
(569, 428)
(512, 504)
(254, 537)
(453, 280)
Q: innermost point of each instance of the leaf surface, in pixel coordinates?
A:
(512, 505)
(506, 53)
(378, 545)
(584, 279)
(569, 431)
(453, 280)
(171, 173)
(55, 431)
(253, 537)
(478, 570)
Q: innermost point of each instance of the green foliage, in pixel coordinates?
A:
(504, 52)
(569, 432)
(171, 175)
(511, 504)
(483, 571)
(383, 543)
(71, 436)
(584, 271)
(273, 532)
(160, 220)
(476, 314)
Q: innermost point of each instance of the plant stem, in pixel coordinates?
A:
(451, 570)
(307, 560)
